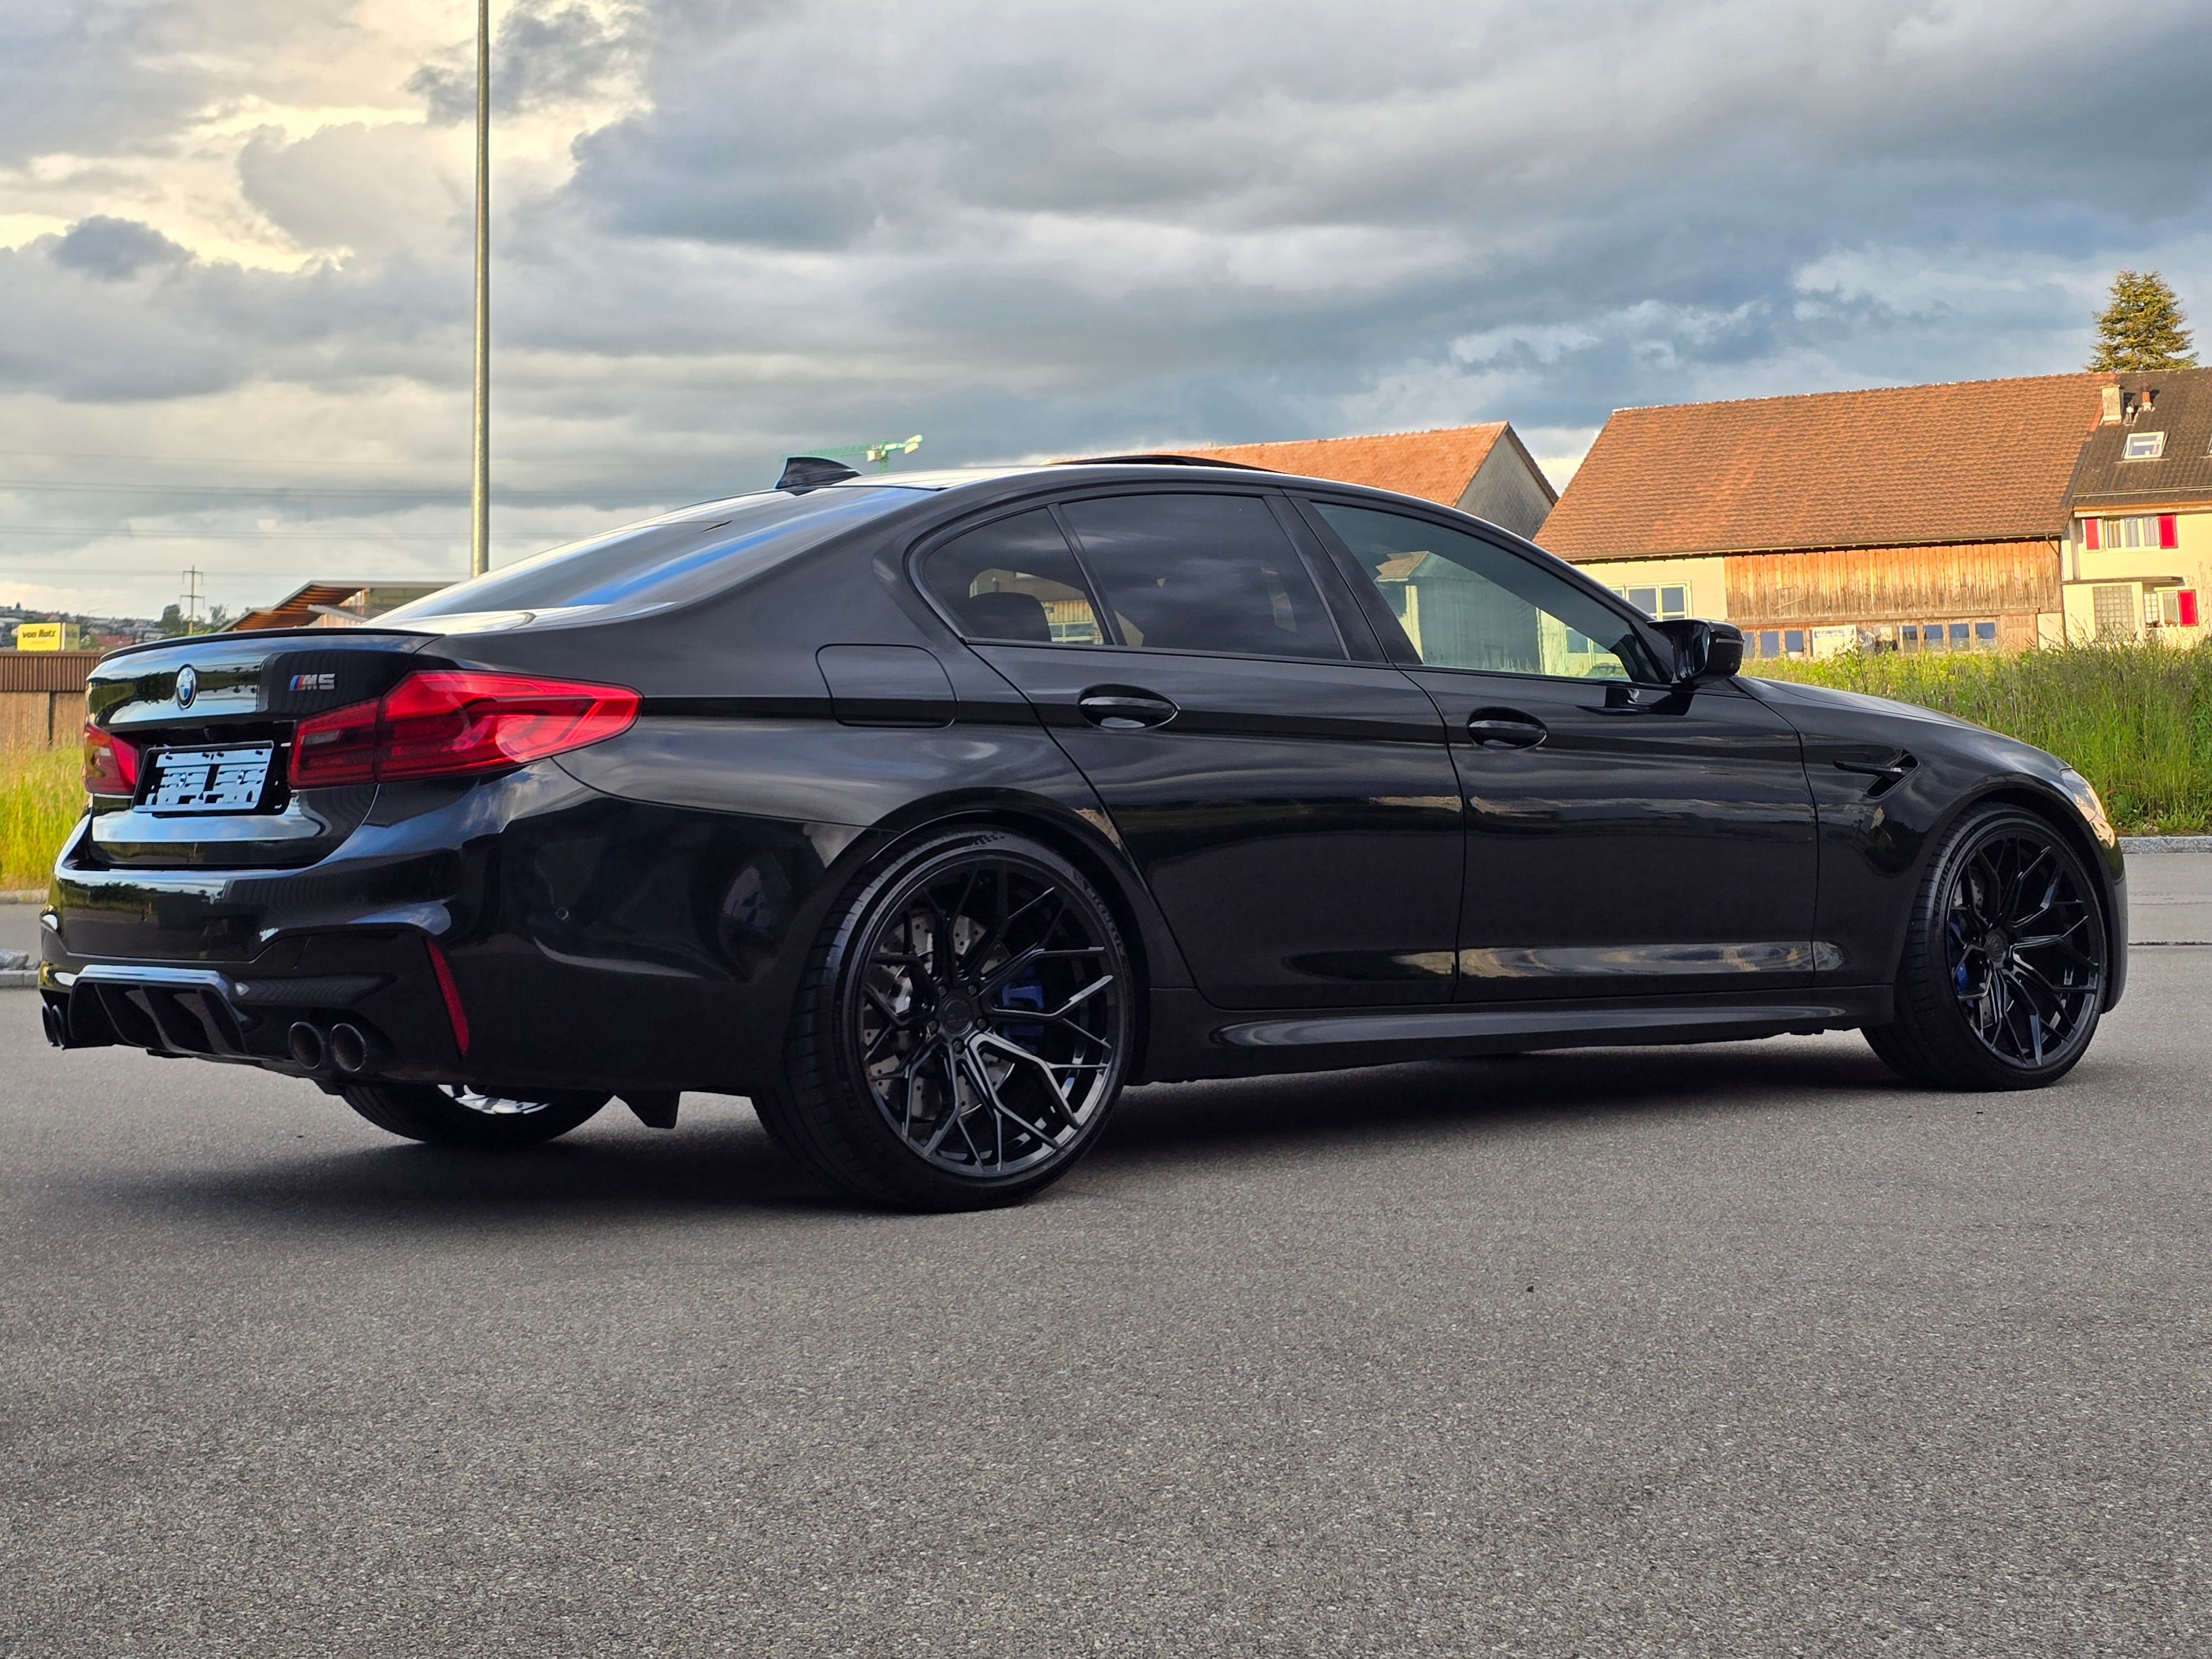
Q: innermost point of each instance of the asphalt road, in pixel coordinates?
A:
(1739, 1351)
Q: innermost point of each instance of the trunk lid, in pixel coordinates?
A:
(212, 719)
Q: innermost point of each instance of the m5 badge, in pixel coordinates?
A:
(315, 681)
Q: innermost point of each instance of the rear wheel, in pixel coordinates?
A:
(962, 1031)
(2004, 966)
(452, 1116)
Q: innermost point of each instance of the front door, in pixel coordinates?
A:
(1295, 812)
(1625, 836)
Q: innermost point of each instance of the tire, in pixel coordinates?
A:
(449, 1117)
(962, 1029)
(2005, 960)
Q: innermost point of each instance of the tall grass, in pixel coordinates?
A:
(2135, 719)
(41, 795)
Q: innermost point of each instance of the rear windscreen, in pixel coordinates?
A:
(667, 560)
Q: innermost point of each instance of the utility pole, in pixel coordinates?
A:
(480, 472)
(191, 595)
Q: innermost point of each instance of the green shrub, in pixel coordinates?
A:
(41, 797)
(2135, 719)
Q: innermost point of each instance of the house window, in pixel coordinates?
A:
(1659, 603)
(2144, 447)
(2116, 609)
(1770, 642)
(2146, 532)
(1985, 637)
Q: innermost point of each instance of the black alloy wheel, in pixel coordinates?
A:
(2004, 970)
(453, 1114)
(964, 1030)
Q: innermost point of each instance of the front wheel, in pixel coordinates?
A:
(452, 1116)
(962, 1029)
(2004, 968)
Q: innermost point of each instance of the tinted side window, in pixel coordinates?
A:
(1467, 603)
(1014, 579)
(1202, 573)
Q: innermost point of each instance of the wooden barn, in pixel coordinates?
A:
(1926, 518)
(42, 697)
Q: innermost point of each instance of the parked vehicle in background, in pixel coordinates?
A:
(931, 811)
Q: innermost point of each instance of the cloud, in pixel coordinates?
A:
(113, 249)
(730, 229)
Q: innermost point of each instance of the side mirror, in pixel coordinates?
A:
(1704, 650)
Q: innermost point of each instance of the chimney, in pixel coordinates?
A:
(2112, 406)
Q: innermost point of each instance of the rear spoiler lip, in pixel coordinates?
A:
(232, 642)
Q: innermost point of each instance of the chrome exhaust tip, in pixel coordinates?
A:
(308, 1048)
(349, 1049)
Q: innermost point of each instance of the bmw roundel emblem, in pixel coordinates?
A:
(188, 685)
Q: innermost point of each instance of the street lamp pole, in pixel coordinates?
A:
(480, 473)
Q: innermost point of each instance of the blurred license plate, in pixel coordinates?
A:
(209, 780)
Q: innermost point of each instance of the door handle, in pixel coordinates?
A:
(1125, 709)
(1505, 728)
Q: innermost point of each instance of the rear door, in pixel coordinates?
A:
(1625, 836)
(1294, 811)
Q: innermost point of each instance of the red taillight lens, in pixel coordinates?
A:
(339, 747)
(436, 724)
(111, 763)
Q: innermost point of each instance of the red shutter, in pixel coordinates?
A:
(2090, 527)
(2188, 597)
(2169, 531)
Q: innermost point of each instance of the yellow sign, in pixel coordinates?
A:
(38, 637)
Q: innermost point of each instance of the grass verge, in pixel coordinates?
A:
(2133, 719)
(41, 794)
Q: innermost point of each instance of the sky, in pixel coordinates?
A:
(235, 240)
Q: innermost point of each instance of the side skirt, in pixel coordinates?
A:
(1190, 1038)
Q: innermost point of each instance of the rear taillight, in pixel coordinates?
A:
(435, 725)
(111, 763)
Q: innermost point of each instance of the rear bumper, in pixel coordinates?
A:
(379, 984)
(590, 943)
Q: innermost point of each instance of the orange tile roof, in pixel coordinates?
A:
(1437, 465)
(1970, 461)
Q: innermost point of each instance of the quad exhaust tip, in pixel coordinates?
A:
(344, 1047)
(307, 1045)
(349, 1049)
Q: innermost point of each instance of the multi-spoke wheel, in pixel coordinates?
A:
(2004, 968)
(964, 1029)
(452, 1116)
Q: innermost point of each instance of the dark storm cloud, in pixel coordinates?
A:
(1081, 227)
(1655, 179)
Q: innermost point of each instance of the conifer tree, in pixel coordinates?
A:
(2143, 327)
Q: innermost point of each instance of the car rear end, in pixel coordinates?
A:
(281, 831)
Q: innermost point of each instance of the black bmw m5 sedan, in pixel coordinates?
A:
(929, 812)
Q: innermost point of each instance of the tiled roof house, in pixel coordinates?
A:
(1911, 517)
(1483, 470)
(2138, 556)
